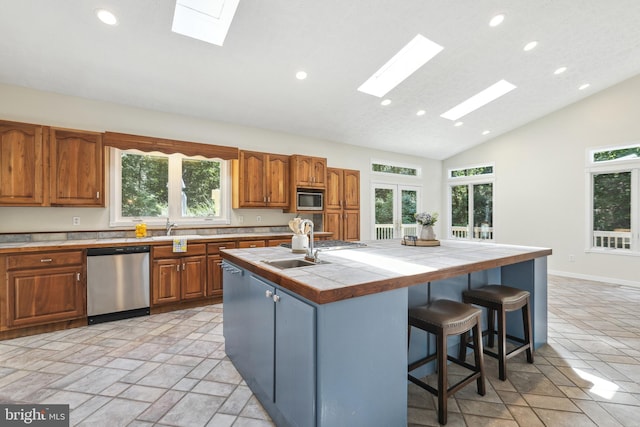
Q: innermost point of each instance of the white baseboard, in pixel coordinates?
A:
(595, 278)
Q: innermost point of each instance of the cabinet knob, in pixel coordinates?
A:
(276, 298)
(268, 294)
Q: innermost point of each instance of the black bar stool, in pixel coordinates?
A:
(444, 318)
(501, 299)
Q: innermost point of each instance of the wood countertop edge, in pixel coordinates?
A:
(112, 242)
(362, 289)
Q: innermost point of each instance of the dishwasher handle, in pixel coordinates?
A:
(118, 250)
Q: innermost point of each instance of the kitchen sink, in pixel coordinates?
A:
(177, 236)
(292, 263)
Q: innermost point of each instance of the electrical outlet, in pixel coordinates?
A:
(572, 258)
(240, 219)
(258, 218)
(75, 220)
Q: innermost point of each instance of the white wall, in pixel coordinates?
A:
(540, 196)
(26, 105)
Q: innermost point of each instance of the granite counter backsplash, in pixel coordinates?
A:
(93, 235)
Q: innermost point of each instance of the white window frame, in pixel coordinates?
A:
(470, 181)
(397, 188)
(613, 166)
(175, 211)
(395, 164)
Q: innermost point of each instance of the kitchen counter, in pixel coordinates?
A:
(34, 246)
(380, 266)
(326, 345)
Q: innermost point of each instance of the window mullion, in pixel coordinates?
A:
(175, 187)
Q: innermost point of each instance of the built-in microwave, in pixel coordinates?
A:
(309, 201)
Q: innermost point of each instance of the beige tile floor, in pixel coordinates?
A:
(170, 369)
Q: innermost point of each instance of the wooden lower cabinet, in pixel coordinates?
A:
(44, 288)
(178, 276)
(214, 267)
(344, 224)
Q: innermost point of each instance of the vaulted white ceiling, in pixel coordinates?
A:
(60, 46)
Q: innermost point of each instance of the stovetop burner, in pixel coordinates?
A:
(331, 245)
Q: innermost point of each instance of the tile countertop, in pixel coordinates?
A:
(129, 241)
(380, 266)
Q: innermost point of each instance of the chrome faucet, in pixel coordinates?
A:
(311, 255)
(170, 226)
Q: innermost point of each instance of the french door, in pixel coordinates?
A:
(393, 208)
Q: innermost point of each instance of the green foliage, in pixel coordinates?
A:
(483, 170)
(384, 206)
(398, 170)
(199, 177)
(612, 201)
(601, 156)
(409, 205)
(144, 185)
(460, 206)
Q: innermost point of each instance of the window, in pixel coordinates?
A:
(152, 187)
(387, 168)
(471, 203)
(614, 191)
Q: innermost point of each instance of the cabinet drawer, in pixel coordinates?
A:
(251, 244)
(215, 248)
(44, 259)
(277, 242)
(167, 251)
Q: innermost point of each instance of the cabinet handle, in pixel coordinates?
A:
(268, 199)
(252, 246)
(46, 260)
(268, 294)
(78, 277)
(97, 194)
(183, 266)
(178, 267)
(276, 298)
(222, 247)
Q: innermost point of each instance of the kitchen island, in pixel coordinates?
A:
(326, 345)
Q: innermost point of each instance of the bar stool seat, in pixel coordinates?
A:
(444, 318)
(501, 299)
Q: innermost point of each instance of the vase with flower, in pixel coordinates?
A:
(426, 220)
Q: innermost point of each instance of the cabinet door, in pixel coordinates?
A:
(333, 224)
(351, 189)
(40, 296)
(303, 171)
(277, 181)
(235, 291)
(334, 196)
(194, 277)
(21, 164)
(295, 359)
(319, 168)
(252, 186)
(260, 329)
(76, 168)
(214, 276)
(166, 281)
(351, 225)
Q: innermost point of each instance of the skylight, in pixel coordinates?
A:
(478, 100)
(206, 20)
(404, 63)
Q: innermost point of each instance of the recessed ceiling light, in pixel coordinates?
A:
(404, 63)
(530, 46)
(385, 102)
(560, 70)
(584, 86)
(458, 124)
(208, 21)
(478, 100)
(301, 75)
(486, 132)
(421, 113)
(496, 20)
(106, 17)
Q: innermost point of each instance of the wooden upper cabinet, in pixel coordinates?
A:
(77, 176)
(308, 172)
(351, 189)
(343, 189)
(260, 180)
(334, 195)
(22, 164)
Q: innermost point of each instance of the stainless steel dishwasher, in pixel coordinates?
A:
(117, 283)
